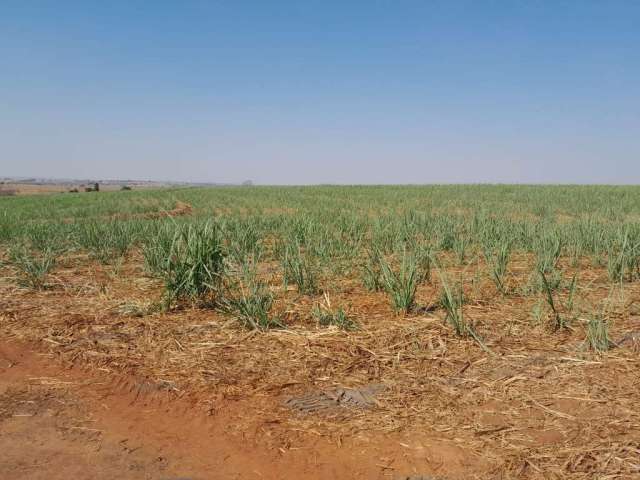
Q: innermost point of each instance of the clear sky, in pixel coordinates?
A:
(321, 91)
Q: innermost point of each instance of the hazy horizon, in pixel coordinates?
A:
(63, 180)
(288, 93)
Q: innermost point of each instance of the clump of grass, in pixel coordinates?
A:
(194, 267)
(460, 247)
(548, 249)
(425, 259)
(42, 237)
(106, 240)
(623, 259)
(372, 271)
(598, 334)
(575, 251)
(33, 268)
(401, 285)
(537, 312)
(498, 260)
(299, 270)
(452, 300)
(326, 316)
(157, 247)
(560, 320)
(616, 266)
(253, 307)
(244, 241)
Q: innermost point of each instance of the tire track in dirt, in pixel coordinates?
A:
(58, 423)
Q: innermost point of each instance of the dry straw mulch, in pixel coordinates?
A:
(536, 405)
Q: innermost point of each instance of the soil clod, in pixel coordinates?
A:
(363, 397)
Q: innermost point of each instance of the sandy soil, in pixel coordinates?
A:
(59, 423)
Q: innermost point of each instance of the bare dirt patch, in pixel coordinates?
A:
(49, 431)
(59, 422)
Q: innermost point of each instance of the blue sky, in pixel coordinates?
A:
(322, 91)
